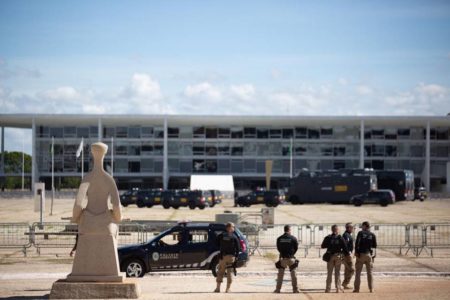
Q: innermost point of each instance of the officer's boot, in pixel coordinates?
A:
(228, 287)
(217, 290)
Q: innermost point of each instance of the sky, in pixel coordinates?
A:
(224, 57)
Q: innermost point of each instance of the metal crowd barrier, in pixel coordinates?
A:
(13, 235)
(412, 237)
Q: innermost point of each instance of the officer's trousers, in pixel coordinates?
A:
(286, 263)
(349, 270)
(334, 264)
(225, 264)
(363, 259)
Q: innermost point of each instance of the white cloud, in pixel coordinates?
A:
(343, 81)
(64, 93)
(364, 90)
(203, 90)
(432, 90)
(243, 91)
(143, 86)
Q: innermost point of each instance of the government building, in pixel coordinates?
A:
(165, 150)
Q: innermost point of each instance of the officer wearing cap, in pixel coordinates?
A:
(348, 261)
(366, 241)
(287, 245)
(336, 247)
(229, 247)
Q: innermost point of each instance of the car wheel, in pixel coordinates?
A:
(357, 202)
(176, 207)
(140, 204)
(124, 205)
(275, 205)
(192, 205)
(166, 205)
(202, 207)
(215, 266)
(149, 205)
(294, 199)
(134, 268)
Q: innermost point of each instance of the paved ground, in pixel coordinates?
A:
(397, 276)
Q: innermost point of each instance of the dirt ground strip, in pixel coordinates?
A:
(430, 211)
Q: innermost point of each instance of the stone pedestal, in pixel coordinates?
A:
(63, 289)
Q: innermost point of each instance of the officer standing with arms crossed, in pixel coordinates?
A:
(365, 242)
(336, 246)
(348, 261)
(229, 250)
(287, 245)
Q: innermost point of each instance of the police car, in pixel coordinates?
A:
(271, 198)
(187, 246)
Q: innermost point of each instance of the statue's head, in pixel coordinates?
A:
(99, 150)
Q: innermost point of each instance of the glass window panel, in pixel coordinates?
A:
(70, 131)
(326, 132)
(211, 133)
(121, 165)
(249, 165)
(275, 133)
(173, 132)
(211, 149)
(223, 165)
(417, 133)
(391, 150)
(158, 148)
(236, 166)
(199, 132)
(121, 132)
(93, 131)
(174, 165)
(109, 132)
(237, 133)
(147, 165)
(198, 148)
(249, 132)
(56, 132)
(134, 132)
(185, 132)
(301, 132)
(224, 149)
(249, 149)
(288, 133)
(159, 132)
(198, 165)
(186, 166)
(417, 150)
(147, 132)
(313, 133)
(211, 166)
(224, 133)
(158, 164)
(262, 133)
(134, 149)
(147, 148)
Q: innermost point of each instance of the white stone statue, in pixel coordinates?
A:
(97, 211)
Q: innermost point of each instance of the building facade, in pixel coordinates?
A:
(164, 150)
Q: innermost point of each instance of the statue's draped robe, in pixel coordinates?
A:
(96, 254)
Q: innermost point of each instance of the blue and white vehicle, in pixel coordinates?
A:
(187, 246)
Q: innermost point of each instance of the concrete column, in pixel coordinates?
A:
(448, 178)
(2, 170)
(33, 154)
(100, 130)
(165, 157)
(361, 145)
(427, 158)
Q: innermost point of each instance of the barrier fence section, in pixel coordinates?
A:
(14, 235)
(412, 237)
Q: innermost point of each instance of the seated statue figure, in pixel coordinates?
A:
(97, 211)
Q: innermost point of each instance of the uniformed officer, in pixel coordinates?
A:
(336, 247)
(366, 241)
(287, 245)
(348, 261)
(229, 250)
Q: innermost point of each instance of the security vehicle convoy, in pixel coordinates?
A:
(186, 246)
(271, 198)
(401, 182)
(332, 186)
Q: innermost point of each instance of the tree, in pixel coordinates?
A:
(13, 165)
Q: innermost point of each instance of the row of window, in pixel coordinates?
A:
(417, 133)
(226, 166)
(150, 148)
